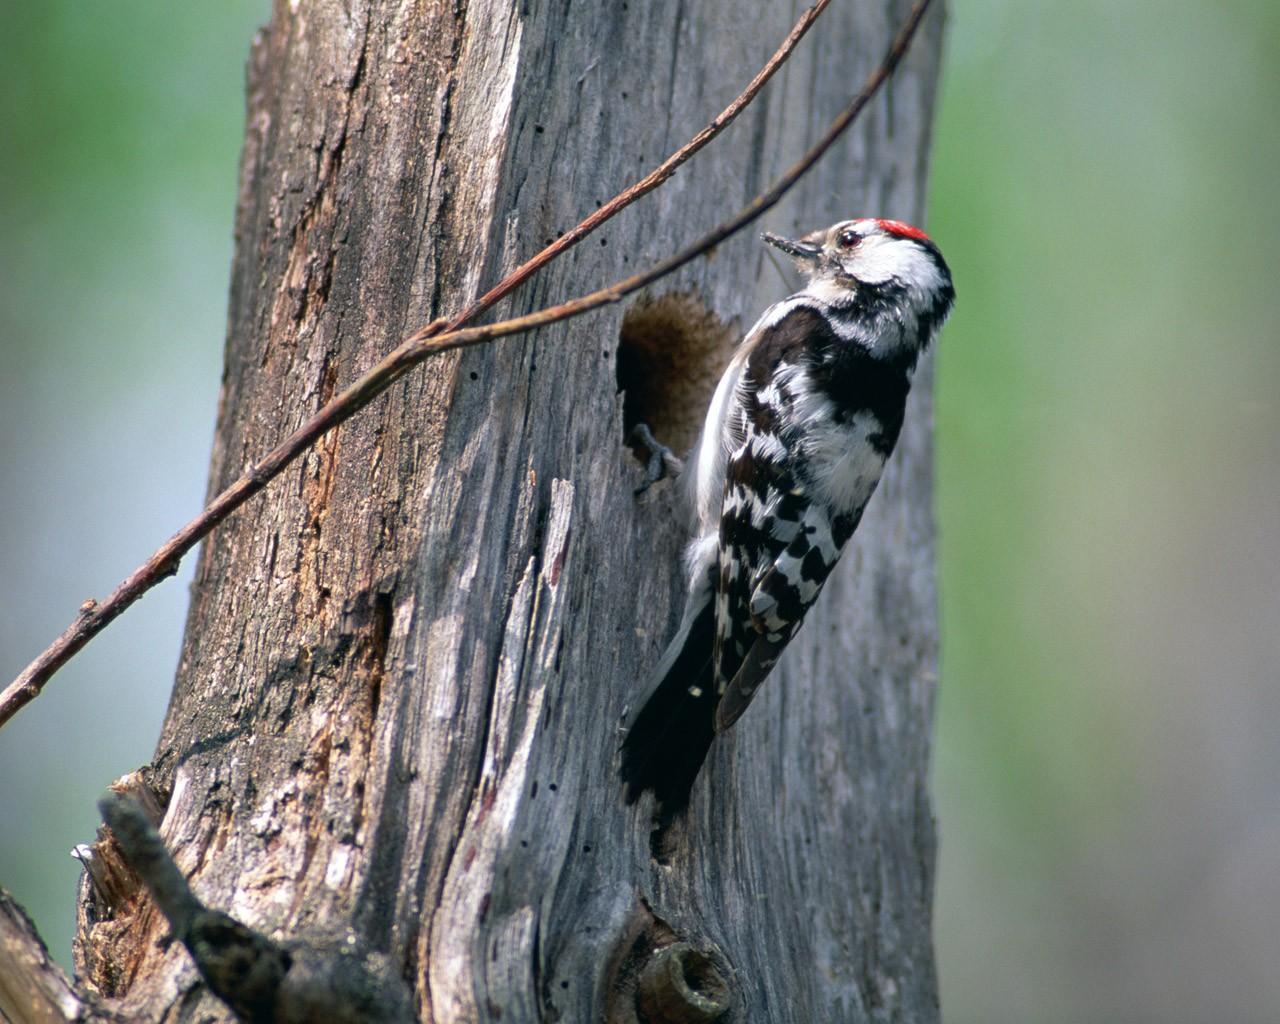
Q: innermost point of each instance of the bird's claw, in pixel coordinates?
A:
(661, 461)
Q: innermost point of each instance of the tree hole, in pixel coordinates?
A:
(671, 352)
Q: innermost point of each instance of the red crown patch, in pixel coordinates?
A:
(902, 230)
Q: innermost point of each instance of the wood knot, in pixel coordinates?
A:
(681, 985)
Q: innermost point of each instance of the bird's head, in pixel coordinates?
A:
(855, 257)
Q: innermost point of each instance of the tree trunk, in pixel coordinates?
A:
(398, 703)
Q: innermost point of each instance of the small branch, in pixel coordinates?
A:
(244, 968)
(441, 336)
(336, 979)
(143, 851)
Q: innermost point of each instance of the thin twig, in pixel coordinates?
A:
(438, 336)
(649, 182)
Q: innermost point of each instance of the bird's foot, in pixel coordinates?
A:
(660, 461)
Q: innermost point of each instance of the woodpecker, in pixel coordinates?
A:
(793, 445)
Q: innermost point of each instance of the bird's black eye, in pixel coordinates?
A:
(848, 238)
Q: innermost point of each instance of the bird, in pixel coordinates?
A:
(794, 442)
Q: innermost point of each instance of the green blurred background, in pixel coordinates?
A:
(1108, 752)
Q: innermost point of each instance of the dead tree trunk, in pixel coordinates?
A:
(398, 702)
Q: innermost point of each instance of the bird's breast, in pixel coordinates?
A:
(842, 461)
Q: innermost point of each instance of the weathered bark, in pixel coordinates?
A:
(33, 989)
(398, 702)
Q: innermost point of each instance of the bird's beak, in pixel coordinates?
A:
(806, 251)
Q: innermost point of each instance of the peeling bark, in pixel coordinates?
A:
(398, 701)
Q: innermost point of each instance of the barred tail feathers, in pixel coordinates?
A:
(669, 738)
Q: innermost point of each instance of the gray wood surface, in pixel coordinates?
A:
(398, 702)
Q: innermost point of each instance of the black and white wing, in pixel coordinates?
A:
(794, 493)
(777, 548)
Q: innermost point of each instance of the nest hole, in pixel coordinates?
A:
(671, 352)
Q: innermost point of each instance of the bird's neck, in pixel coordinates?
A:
(880, 318)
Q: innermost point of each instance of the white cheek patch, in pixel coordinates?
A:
(876, 261)
(882, 259)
